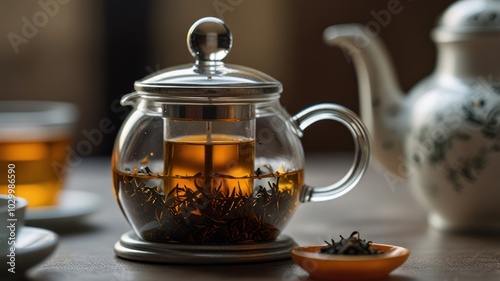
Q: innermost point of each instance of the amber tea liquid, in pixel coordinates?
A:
(222, 163)
(36, 179)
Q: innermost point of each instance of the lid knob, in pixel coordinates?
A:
(209, 40)
(469, 19)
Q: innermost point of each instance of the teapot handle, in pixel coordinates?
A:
(362, 151)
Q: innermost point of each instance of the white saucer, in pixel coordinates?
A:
(33, 245)
(72, 205)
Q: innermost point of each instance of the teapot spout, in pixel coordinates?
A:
(381, 98)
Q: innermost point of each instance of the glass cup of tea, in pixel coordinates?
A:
(34, 141)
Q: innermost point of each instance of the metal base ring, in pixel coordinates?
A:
(131, 247)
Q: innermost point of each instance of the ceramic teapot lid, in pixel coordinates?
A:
(467, 19)
(209, 41)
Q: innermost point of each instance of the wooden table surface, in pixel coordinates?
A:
(384, 213)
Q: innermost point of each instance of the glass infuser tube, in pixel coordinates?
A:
(208, 155)
(215, 155)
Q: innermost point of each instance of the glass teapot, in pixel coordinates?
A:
(209, 156)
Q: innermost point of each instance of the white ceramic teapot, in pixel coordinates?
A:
(445, 135)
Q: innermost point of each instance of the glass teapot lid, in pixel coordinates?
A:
(209, 78)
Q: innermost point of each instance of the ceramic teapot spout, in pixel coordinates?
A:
(381, 99)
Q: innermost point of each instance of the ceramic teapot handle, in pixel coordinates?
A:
(362, 150)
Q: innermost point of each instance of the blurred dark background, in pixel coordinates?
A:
(91, 52)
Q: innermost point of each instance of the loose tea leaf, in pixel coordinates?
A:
(202, 214)
(350, 246)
